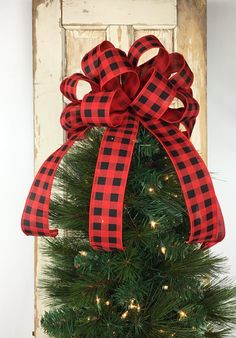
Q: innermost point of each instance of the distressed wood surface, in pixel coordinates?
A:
(63, 35)
(191, 42)
(48, 135)
(119, 12)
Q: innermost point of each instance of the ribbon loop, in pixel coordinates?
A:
(122, 96)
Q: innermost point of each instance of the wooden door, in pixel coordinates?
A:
(63, 31)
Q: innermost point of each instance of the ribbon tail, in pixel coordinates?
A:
(34, 219)
(109, 184)
(206, 219)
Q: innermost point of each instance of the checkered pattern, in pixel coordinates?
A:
(122, 96)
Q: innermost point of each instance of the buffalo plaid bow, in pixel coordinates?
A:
(122, 96)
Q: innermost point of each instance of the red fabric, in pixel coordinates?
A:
(122, 96)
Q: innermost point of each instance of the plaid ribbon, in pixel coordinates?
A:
(122, 96)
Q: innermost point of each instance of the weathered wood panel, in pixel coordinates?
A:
(119, 12)
(48, 135)
(191, 42)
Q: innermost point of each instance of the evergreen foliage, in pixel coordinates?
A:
(159, 286)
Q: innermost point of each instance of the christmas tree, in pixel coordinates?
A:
(159, 286)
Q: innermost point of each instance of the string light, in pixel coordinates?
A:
(97, 300)
(165, 287)
(173, 334)
(163, 250)
(125, 314)
(182, 315)
(151, 189)
(133, 306)
(153, 224)
(83, 253)
(166, 177)
(161, 331)
(107, 302)
(88, 318)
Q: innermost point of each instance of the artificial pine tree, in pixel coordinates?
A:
(159, 286)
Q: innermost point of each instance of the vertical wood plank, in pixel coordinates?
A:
(48, 135)
(121, 36)
(191, 42)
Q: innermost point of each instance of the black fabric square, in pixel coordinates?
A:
(107, 151)
(97, 211)
(197, 221)
(36, 183)
(45, 186)
(104, 99)
(164, 95)
(181, 165)
(171, 132)
(39, 212)
(97, 239)
(109, 54)
(111, 227)
(182, 73)
(103, 73)
(87, 112)
(112, 212)
(99, 196)
(187, 179)
(155, 107)
(204, 188)
(120, 166)
(191, 193)
(122, 152)
(197, 233)
(26, 222)
(87, 69)
(116, 181)
(28, 209)
(209, 215)
(101, 112)
(142, 49)
(186, 149)
(179, 140)
(42, 170)
(194, 160)
(89, 98)
(110, 138)
(195, 208)
(104, 165)
(64, 147)
(73, 83)
(97, 226)
(101, 180)
(114, 197)
(151, 87)
(174, 153)
(42, 199)
(200, 173)
(207, 202)
(39, 225)
(210, 227)
(143, 99)
(50, 172)
(32, 196)
(125, 141)
(114, 66)
(112, 240)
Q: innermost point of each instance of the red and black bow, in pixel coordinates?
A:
(122, 96)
